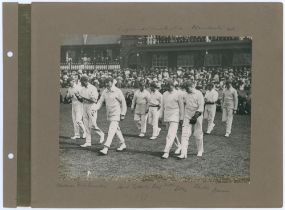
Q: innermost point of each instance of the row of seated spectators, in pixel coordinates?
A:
(155, 39)
(104, 60)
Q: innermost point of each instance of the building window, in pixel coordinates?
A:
(185, 60)
(159, 60)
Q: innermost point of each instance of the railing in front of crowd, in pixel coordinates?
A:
(89, 66)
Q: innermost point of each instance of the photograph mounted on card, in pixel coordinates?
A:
(178, 95)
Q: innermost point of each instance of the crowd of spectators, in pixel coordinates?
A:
(129, 79)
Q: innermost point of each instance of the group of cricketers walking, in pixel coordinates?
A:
(178, 105)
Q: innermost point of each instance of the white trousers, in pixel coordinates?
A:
(172, 131)
(209, 114)
(187, 132)
(77, 114)
(141, 120)
(228, 118)
(114, 129)
(90, 122)
(153, 117)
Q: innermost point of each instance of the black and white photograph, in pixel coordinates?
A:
(155, 108)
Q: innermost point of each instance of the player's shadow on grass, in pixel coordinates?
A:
(64, 137)
(68, 137)
(131, 135)
(77, 147)
(151, 153)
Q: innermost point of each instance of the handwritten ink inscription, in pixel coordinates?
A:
(213, 28)
(165, 28)
(153, 187)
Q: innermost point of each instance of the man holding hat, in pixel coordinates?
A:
(172, 111)
(139, 106)
(229, 105)
(194, 106)
(89, 95)
(154, 104)
(116, 109)
(77, 108)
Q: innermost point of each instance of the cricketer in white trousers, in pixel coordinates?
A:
(172, 111)
(77, 110)
(211, 98)
(115, 106)
(154, 104)
(178, 150)
(89, 117)
(193, 102)
(229, 104)
(139, 105)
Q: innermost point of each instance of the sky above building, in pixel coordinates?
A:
(86, 39)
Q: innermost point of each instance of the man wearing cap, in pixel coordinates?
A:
(116, 109)
(77, 108)
(154, 104)
(139, 106)
(194, 106)
(172, 112)
(211, 98)
(229, 105)
(89, 95)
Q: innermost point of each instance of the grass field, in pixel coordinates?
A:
(224, 159)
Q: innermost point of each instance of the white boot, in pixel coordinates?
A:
(227, 134)
(86, 145)
(183, 154)
(122, 147)
(104, 151)
(199, 154)
(75, 137)
(165, 155)
(177, 151)
(84, 136)
(141, 135)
